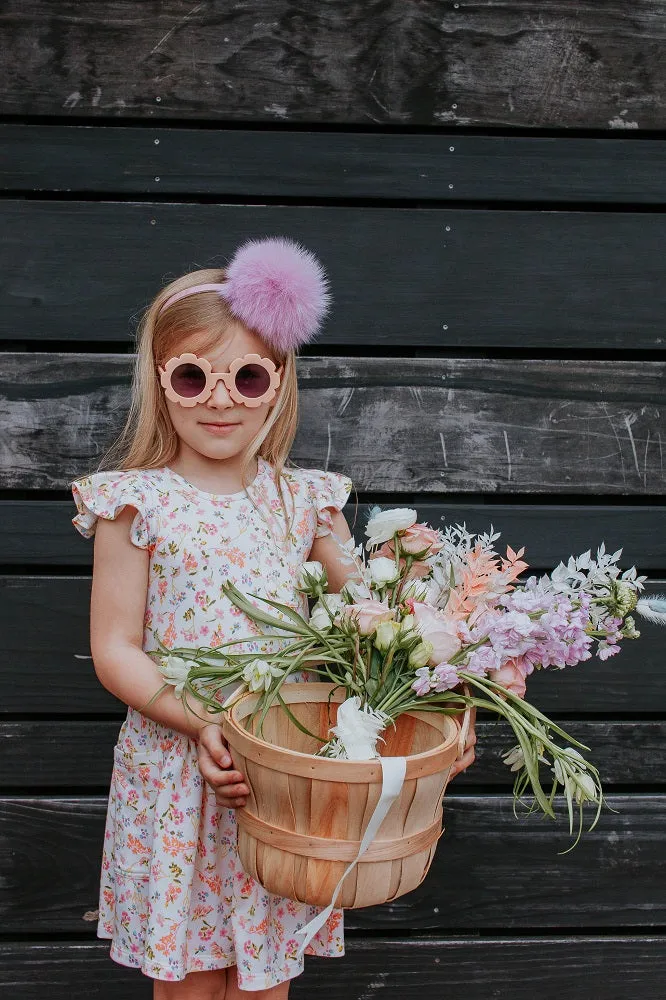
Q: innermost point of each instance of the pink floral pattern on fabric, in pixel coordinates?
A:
(173, 896)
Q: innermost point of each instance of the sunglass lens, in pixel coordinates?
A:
(252, 381)
(188, 380)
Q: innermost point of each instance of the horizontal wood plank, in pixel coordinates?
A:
(491, 870)
(483, 279)
(40, 532)
(75, 754)
(427, 425)
(341, 165)
(412, 64)
(44, 622)
(504, 968)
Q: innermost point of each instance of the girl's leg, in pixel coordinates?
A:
(195, 986)
(279, 992)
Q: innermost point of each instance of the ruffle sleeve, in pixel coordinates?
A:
(330, 489)
(106, 494)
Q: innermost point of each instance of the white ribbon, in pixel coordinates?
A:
(393, 778)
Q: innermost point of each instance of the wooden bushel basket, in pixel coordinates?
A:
(305, 815)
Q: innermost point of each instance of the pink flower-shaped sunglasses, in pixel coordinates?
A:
(251, 380)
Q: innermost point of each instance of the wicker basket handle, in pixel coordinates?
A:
(466, 722)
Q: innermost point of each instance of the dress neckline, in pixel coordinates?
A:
(262, 466)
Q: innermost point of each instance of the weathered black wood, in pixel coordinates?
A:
(491, 871)
(505, 968)
(40, 532)
(396, 425)
(267, 164)
(411, 64)
(492, 279)
(76, 754)
(44, 626)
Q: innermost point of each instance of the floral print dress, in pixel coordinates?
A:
(173, 896)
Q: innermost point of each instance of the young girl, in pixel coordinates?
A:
(201, 494)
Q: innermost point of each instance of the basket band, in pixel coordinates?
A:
(323, 849)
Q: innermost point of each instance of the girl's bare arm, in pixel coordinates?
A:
(327, 549)
(120, 583)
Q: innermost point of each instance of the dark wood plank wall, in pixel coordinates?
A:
(484, 183)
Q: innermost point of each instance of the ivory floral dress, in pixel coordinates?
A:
(173, 896)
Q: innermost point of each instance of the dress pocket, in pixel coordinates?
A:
(135, 786)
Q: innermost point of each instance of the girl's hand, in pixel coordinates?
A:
(216, 765)
(469, 754)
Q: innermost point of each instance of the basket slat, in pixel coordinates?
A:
(305, 815)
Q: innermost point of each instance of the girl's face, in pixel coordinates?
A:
(220, 428)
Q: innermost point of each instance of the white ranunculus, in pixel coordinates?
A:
(384, 525)
(175, 670)
(259, 675)
(383, 571)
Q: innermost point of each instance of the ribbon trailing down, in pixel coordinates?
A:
(393, 778)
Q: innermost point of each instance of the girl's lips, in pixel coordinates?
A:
(219, 429)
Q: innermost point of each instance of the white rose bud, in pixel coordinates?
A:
(385, 634)
(311, 575)
(320, 619)
(420, 655)
(383, 571)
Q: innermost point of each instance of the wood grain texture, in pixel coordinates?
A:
(44, 625)
(491, 871)
(417, 63)
(397, 425)
(40, 532)
(257, 164)
(77, 754)
(494, 279)
(613, 967)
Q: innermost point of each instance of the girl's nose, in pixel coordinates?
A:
(220, 396)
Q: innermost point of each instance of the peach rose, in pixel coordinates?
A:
(510, 677)
(438, 628)
(368, 614)
(419, 537)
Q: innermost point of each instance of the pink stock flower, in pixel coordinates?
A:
(439, 629)
(367, 614)
(422, 683)
(444, 677)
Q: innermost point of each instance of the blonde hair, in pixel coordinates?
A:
(148, 439)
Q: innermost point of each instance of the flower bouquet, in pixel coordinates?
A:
(430, 611)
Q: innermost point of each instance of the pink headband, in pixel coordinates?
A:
(276, 287)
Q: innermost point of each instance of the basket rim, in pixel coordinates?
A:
(419, 765)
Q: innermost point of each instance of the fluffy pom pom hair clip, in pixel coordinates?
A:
(276, 287)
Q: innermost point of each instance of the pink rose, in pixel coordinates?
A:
(438, 628)
(419, 537)
(368, 614)
(510, 677)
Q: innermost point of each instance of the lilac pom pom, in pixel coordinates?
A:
(278, 288)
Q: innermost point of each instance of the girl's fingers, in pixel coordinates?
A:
(212, 740)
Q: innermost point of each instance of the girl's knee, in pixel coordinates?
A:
(195, 986)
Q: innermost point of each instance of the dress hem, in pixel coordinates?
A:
(131, 961)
